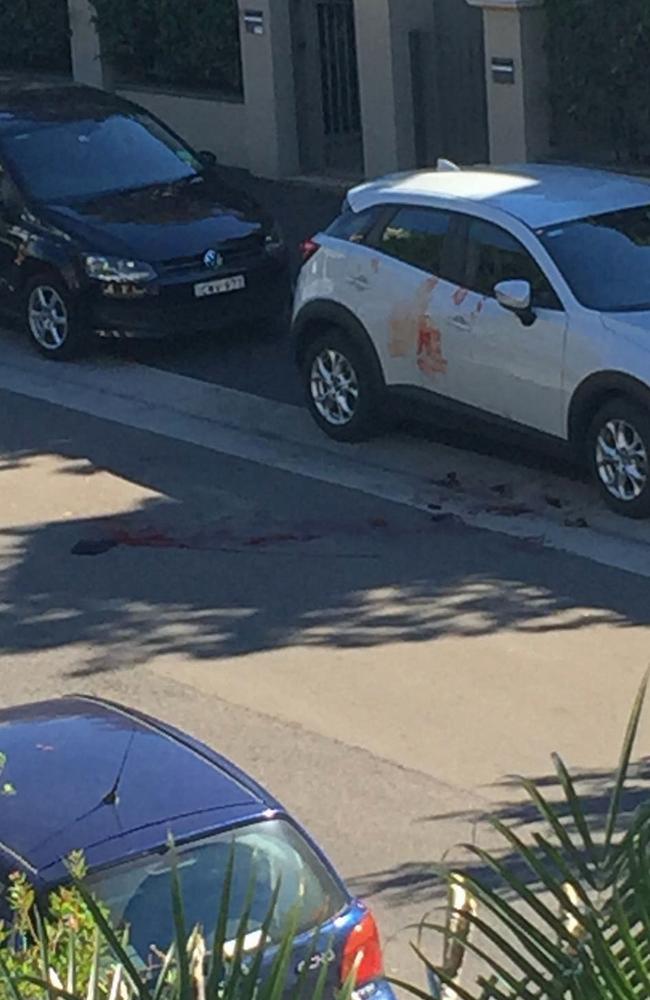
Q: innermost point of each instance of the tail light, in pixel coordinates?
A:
(307, 249)
(362, 952)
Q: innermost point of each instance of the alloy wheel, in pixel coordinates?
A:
(48, 319)
(622, 460)
(334, 387)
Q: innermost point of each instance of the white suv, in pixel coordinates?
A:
(518, 294)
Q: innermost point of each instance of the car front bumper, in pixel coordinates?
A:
(169, 307)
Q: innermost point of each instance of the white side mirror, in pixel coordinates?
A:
(514, 295)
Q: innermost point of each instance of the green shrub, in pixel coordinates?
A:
(35, 35)
(173, 42)
(600, 75)
(75, 953)
(585, 934)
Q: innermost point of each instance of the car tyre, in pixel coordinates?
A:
(344, 387)
(618, 452)
(52, 318)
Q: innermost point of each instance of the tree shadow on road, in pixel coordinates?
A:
(421, 882)
(222, 558)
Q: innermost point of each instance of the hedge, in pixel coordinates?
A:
(600, 75)
(35, 35)
(186, 43)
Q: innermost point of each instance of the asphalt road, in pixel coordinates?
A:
(384, 673)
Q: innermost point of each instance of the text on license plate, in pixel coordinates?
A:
(220, 286)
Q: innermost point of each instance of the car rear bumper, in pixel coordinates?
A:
(171, 309)
(379, 990)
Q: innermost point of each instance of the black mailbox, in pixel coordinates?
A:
(503, 70)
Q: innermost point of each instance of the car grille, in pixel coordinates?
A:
(233, 257)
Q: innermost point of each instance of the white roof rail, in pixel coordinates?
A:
(444, 165)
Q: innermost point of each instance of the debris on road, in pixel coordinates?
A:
(93, 546)
(509, 510)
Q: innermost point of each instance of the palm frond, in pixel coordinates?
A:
(595, 944)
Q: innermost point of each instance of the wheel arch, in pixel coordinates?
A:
(594, 392)
(318, 316)
(49, 264)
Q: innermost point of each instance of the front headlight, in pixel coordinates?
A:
(118, 270)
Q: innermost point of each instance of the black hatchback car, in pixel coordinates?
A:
(110, 223)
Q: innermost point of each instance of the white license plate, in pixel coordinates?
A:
(221, 286)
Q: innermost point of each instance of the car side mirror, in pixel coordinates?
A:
(207, 159)
(516, 296)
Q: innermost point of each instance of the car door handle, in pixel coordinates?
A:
(359, 281)
(460, 322)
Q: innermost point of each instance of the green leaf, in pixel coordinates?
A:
(415, 990)
(180, 929)
(274, 987)
(71, 976)
(236, 971)
(119, 952)
(43, 945)
(258, 956)
(632, 949)
(624, 764)
(47, 987)
(577, 812)
(546, 877)
(522, 892)
(556, 857)
(93, 978)
(216, 968)
(489, 959)
(162, 981)
(14, 992)
(540, 946)
(548, 814)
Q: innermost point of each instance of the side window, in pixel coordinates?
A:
(354, 226)
(418, 236)
(494, 255)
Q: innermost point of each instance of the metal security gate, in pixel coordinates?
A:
(327, 86)
(339, 83)
(449, 93)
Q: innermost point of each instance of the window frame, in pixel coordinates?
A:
(451, 260)
(466, 222)
(367, 232)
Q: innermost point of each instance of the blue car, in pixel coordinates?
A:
(95, 776)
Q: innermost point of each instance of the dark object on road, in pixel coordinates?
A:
(576, 522)
(450, 481)
(447, 517)
(93, 546)
(509, 510)
(116, 785)
(110, 223)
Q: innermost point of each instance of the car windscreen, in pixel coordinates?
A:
(265, 854)
(61, 161)
(605, 259)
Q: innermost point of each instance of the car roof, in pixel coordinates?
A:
(539, 195)
(29, 106)
(85, 772)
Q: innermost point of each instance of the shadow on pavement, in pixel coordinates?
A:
(230, 558)
(421, 882)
